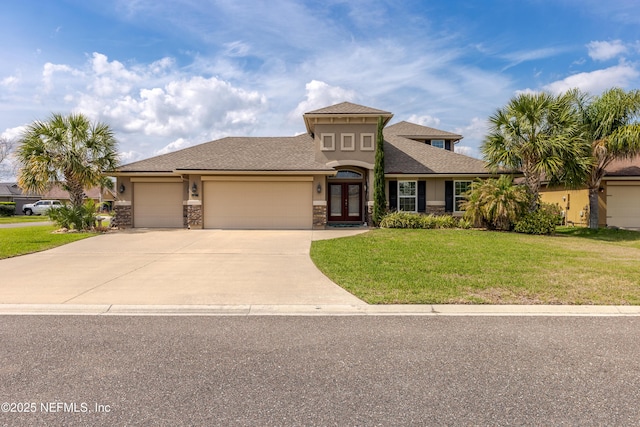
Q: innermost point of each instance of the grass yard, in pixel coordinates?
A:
(25, 218)
(25, 240)
(576, 266)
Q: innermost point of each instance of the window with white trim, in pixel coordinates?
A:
(438, 143)
(459, 189)
(327, 142)
(367, 142)
(408, 196)
(348, 142)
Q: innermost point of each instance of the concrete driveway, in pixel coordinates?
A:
(175, 267)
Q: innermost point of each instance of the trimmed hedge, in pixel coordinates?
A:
(414, 220)
(7, 208)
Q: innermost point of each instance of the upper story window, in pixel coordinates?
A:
(367, 142)
(459, 189)
(438, 143)
(327, 142)
(408, 196)
(347, 142)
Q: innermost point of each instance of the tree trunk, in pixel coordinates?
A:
(594, 208)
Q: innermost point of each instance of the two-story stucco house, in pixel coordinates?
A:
(319, 178)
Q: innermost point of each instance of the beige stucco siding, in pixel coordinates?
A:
(338, 154)
(258, 204)
(623, 204)
(158, 204)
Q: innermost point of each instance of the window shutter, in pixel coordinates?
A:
(393, 195)
(422, 196)
(448, 196)
(447, 145)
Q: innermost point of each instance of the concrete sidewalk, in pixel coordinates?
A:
(317, 310)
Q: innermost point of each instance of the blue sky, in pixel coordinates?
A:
(169, 74)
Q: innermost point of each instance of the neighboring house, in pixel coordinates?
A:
(619, 199)
(322, 177)
(10, 192)
(106, 196)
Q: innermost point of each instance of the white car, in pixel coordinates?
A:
(40, 207)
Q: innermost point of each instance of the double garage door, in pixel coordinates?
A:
(623, 205)
(240, 204)
(258, 204)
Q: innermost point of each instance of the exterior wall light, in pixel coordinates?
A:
(194, 188)
(319, 188)
(121, 188)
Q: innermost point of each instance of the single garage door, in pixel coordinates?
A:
(623, 205)
(158, 204)
(258, 204)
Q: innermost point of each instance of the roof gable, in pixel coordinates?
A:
(406, 156)
(348, 108)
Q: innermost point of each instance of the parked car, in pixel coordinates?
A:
(40, 207)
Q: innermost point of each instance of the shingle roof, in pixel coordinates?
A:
(412, 130)
(406, 156)
(237, 154)
(8, 189)
(624, 167)
(347, 108)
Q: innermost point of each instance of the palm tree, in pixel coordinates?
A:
(540, 135)
(495, 203)
(612, 128)
(66, 150)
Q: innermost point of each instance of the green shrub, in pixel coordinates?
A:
(542, 221)
(7, 208)
(496, 204)
(75, 217)
(415, 220)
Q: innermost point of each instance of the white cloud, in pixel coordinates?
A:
(10, 82)
(425, 120)
(603, 50)
(12, 134)
(320, 94)
(596, 81)
(178, 144)
(51, 69)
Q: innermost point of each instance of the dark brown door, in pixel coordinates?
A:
(345, 202)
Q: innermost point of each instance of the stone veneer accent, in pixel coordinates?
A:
(122, 217)
(368, 215)
(319, 216)
(193, 216)
(436, 210)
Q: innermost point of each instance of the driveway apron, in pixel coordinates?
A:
(175, 267)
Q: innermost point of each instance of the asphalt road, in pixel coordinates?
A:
(171, 371)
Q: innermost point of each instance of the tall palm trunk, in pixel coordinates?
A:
(594, 207)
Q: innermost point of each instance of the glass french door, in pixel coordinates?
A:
(345, 201)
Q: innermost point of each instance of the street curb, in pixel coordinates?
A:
(318, 310)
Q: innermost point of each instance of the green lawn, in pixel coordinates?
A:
(577, 266)
(21, 218)
(24, 240)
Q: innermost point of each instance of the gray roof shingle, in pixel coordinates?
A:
(237, 154)
(412, 130)
(406, 156)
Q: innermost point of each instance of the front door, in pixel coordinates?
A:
(345, 202)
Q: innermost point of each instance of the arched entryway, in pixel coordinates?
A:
(346, 197)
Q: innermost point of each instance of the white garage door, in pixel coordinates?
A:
(258, 204)
(157, 205)
(623, 205)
